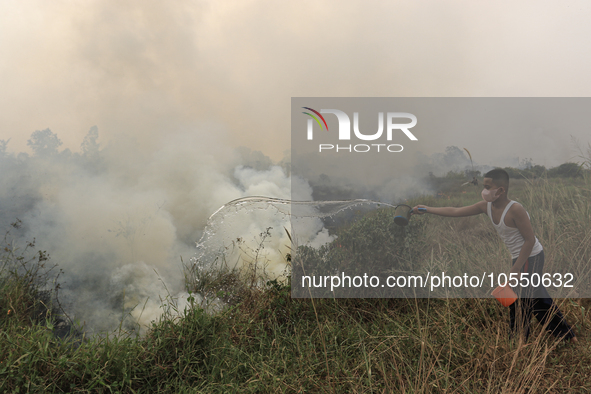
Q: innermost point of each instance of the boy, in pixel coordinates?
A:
(512, 223)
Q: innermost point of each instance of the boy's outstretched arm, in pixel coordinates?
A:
(470, 210)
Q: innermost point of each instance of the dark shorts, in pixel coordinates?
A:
(536, 300)
(533, 265)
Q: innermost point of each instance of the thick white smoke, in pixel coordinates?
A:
(117, 220)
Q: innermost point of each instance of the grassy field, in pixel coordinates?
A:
(265, 341)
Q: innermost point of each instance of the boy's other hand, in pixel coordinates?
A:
(422, 211)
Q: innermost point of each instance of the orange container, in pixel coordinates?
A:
(505, 295)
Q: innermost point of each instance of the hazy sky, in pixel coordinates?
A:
(152, 68)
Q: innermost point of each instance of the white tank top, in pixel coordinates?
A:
(511, 236)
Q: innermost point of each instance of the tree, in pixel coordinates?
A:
(3, 144)
(566, 170)
(455, 158)
(90, 148)
(44, 143)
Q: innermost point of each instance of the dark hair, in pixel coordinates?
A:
(499, 177)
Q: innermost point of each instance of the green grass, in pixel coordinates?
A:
(268, 342)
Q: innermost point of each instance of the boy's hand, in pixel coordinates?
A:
(420, 211)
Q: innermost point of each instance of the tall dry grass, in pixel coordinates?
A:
(264, 341)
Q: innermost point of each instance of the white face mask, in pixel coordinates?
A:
(489, 195)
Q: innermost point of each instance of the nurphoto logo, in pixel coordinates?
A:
(344, 130)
